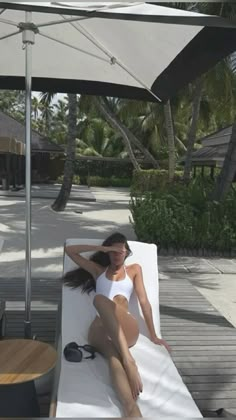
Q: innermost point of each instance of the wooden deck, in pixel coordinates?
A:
(203, 341)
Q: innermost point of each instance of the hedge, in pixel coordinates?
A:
(186, 217)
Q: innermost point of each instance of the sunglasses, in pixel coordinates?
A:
(73, 353)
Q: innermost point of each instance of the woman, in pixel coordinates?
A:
(114, 330)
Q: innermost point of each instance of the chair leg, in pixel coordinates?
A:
(3, 325)
(19, 400)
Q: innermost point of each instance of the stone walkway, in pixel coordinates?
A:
(214, 278)
(173, 264)
(50, 191)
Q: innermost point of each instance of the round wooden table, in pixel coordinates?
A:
(21, 362)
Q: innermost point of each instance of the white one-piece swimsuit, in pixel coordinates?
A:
(112, 288)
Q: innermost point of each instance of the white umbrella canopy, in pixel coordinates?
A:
(128, 49)
(132, 50)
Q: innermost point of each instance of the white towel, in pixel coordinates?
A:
(85, 388)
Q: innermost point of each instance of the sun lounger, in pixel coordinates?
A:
(84, 389)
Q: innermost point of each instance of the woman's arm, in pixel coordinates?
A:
(146, 306)
(143, 300)
(75, 251)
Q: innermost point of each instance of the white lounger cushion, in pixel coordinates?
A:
(85, 389)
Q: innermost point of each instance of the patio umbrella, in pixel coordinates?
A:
(130, 49)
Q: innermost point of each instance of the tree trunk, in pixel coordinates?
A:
(64, 194)
(228, 171)
(197, 95)
(170, 139)
(181, 144)
(133, 139)
(113, 121)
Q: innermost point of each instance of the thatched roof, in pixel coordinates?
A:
(11, 128)
(217, 138)
(214, 149)
(209, 156)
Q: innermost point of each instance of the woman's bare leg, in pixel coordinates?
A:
(99, 339)
(112, 316)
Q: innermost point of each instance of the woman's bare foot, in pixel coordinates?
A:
(134, 379)
(133, 411)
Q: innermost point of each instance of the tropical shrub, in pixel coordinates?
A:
(151, 180)
(185, 217)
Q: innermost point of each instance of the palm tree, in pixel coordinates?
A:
(197, 95)
(170, 139)
(103, 107)
(144, 121)
(64, 194)
(59, 124)
(97, 138)
(46, 108)
(112, 108)
(35, 107)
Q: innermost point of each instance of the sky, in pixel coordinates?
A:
(57, 97)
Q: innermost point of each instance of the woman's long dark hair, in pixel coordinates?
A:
(82, 278)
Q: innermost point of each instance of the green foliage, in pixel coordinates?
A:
(97, 181)
(12, 102)
(183, 216)
(120, 182)
(105, 169)
(151, 180)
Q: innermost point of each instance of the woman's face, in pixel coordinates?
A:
(117, 258)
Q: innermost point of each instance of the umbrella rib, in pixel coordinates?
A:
(2, 11)
(72, 46)
(9, 22)
(111, 6)
(76, 19)
(9, 35)
(113, 60)
(59, 22)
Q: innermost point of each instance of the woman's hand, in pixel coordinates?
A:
(160, 342)
(112, 249)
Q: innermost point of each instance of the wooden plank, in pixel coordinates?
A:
(207, 371)
(171, 321)
(192, 352)
(215, 404)
(205, 328)
(202, 343)
(228, 358)
(168, 311)
(191, 379)
(193, 333)
(187, 347)
(207, 364)
(212, 386)
(206, 395)
(201, 321)
(203, 337)
(181, 297)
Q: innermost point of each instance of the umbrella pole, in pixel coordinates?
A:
(28, 40)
